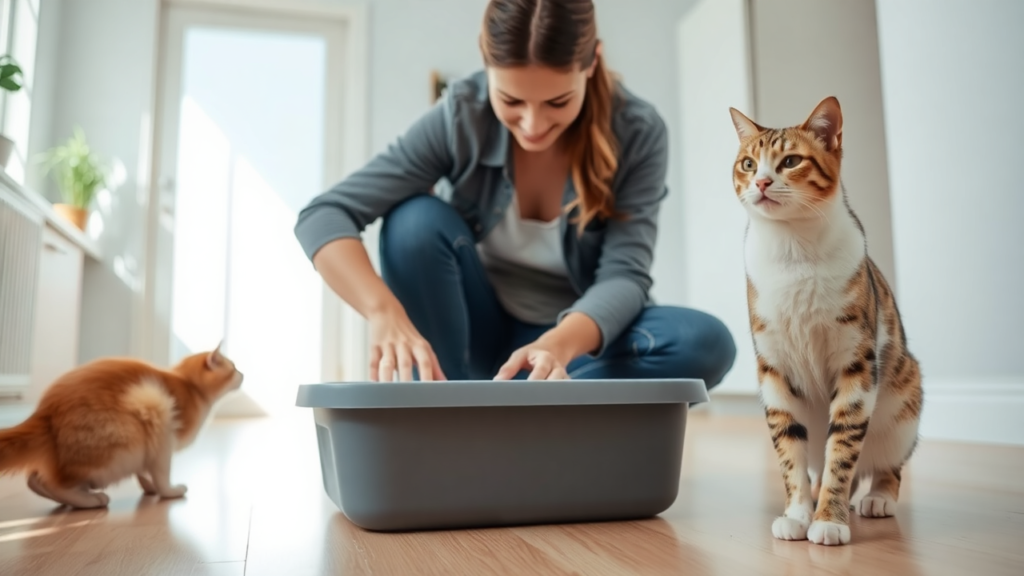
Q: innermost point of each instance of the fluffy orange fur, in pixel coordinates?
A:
(111, 419)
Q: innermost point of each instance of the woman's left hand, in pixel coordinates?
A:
(543, 363)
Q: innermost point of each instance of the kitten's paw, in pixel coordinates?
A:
(828, 533)
(877, 506)
(789, 528)
(174, 491)
(89, 500)
(35, 483)
(147, 485)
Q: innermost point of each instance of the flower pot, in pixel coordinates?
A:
(77, 216)
(6, 147)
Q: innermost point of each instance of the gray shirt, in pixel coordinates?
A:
(462, 144)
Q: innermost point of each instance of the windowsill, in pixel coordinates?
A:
(68, 230)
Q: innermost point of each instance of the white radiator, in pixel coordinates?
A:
(20, 238)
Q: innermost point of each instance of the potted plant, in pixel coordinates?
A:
(11, 81)
(79, 175)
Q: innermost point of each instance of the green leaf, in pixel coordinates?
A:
(10, 74)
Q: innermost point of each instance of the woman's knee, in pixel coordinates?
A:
(699, 343)
(415, 229)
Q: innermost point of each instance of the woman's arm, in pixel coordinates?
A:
(330, 226)
(346, 268)
(411, 165)
(395, 342)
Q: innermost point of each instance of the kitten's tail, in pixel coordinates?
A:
(23, 445)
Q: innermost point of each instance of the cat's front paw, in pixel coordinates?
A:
(828, 533)
(174, 491)
(877, 506)
(785, 528)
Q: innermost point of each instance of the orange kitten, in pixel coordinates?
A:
(841, 391)
(111, 419)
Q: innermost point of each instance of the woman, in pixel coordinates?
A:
(536, 262)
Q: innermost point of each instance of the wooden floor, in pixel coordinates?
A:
(256, 506)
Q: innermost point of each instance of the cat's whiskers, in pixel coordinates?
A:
(807, 204)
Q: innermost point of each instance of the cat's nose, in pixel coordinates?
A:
(763, 184)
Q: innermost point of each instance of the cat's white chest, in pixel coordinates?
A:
(799, 299)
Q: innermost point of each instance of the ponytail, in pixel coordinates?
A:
(593, 150)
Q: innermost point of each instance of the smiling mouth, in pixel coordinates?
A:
(539, 137)
(764, 200)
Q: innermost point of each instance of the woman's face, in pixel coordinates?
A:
(537, 103)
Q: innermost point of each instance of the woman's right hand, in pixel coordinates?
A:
(395, 344)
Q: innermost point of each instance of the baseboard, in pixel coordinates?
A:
(985, 412)
(732, 403)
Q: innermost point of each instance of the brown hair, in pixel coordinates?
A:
(562, 34)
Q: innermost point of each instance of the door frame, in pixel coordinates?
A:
(344, 331)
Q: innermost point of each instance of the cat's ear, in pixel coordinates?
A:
(826, 121)
(215, 358)
(745, 127)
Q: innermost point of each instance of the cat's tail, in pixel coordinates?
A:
(23, 445)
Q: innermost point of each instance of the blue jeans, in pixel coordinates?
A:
(429, 260)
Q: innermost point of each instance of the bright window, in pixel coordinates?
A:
(19, 28)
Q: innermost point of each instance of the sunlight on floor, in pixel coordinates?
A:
(41, 531)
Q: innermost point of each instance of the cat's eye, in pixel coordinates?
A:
(749, 165)
(792, 161)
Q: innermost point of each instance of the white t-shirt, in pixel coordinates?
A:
(526, 266)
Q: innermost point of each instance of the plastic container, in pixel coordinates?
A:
(461, 454)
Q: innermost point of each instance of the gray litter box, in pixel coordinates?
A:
(460, 454)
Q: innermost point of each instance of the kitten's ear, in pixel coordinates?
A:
(745, 127)
(215, 358)
(826, 121)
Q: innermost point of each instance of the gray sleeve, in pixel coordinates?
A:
(410, 165)
(623, 279)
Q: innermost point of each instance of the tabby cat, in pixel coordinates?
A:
(831, 351)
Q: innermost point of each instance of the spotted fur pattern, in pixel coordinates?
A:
(841, 392)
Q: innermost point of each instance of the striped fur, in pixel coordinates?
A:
(841, 392)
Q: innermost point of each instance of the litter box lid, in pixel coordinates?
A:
(462, 393)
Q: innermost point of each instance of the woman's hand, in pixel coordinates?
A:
(544, 364)
(548, 357)
(395, 344)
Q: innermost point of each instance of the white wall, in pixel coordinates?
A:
(711, 221)
(104, 83)
(788, 88)
(952, 76)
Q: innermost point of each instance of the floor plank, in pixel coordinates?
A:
(255, 506)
